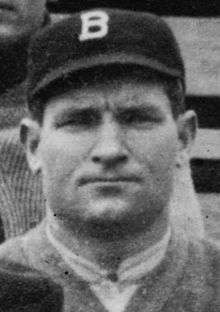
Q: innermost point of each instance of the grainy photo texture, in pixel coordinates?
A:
(109, 156)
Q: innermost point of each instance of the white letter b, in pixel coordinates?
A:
(95, 19)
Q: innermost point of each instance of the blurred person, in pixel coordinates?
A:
(19, 20)
(110, 135)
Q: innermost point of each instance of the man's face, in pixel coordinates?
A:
(107, 154)
(20, 18)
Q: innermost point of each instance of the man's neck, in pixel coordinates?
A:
(108, 255)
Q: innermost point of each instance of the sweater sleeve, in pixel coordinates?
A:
(21, 199)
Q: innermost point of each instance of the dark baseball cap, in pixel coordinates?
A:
(101, 37)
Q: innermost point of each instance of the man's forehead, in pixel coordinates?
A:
(110, 94)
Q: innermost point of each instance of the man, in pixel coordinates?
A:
(19, 20)
(109, 133)
(21, 200)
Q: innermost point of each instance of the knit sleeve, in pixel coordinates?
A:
(21, 199)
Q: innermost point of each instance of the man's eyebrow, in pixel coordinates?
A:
(144, 106)
(70, 112)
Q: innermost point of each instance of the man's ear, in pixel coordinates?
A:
(187, 128)
(30, 138)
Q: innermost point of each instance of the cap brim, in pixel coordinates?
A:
(103, 60)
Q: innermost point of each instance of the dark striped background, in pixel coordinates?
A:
(161, 7)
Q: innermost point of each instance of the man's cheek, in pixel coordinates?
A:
(59, 169)
(161, 161)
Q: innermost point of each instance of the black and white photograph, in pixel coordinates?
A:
(109, 156)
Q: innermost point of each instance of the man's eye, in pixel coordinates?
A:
(83, 119)
(134, 117)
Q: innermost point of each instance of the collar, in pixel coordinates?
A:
(130, 270)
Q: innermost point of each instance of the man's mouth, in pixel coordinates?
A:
(108, 180)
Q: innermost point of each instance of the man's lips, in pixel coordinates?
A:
(119, 179)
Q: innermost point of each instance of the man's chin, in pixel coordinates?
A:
(109, 218)
(112, 220)
(107, 210)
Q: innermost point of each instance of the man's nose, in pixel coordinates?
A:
(109, 149)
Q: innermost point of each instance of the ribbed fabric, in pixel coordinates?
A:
(12, 106)
(21, 199)
(20, 192)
